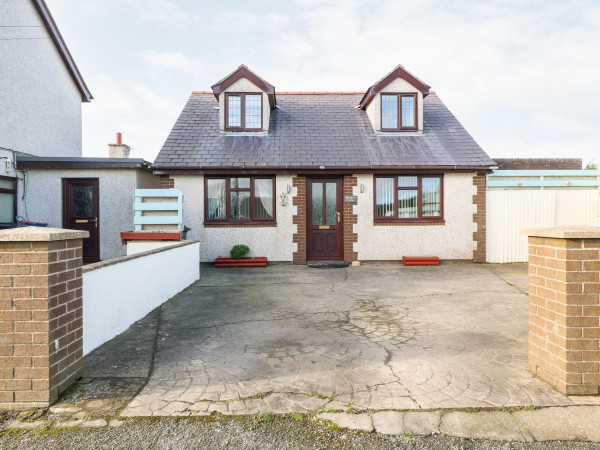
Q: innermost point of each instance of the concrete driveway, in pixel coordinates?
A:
(295, 339)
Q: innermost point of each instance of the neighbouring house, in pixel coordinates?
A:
(43, 176)
(303, 176)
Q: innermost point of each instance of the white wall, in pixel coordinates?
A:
(454, 240)
(115, 296)
(273, 242)
(511, 210)
(43, 200)
(41, 109)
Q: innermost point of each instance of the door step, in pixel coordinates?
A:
(326, 264)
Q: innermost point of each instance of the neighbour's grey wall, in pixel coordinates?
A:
(42, 200)
(41, 108)
(273, 242)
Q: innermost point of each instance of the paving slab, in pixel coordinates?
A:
(568, 423)
(497, 426)
(360, 422)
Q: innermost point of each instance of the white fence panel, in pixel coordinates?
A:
(510, 211)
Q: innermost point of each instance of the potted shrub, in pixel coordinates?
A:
(238, 258)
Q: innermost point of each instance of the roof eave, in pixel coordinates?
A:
(61, 46)
(243, 72)
(398, 72)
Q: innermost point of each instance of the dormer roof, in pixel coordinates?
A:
(44, 12)
(243, 72)
(398, 72)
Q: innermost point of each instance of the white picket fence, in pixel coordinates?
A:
(519, 200)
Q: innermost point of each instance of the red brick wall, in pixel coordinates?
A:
(479, 218)
(350, 237)
(299, 219)
(166, 182)
(41, 321)
(564, 307)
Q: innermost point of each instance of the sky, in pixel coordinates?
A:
(521, 76)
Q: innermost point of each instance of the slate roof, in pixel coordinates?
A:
(312, 130)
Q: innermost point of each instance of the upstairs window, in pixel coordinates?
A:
(407, 198)
(398, 112)
(243, 112)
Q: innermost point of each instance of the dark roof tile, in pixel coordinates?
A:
(317, 129)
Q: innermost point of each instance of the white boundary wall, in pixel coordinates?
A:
(118, 292)
(511, 210)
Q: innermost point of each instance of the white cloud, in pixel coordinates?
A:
(173, 61)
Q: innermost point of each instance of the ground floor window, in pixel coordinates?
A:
(239, 199)
(8, 199)
(406, 198)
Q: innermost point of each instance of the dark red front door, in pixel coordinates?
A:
(81, 212)
(324, 206)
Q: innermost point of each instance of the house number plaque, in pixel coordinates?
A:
(350, 199)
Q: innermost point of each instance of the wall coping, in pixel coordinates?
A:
(42, 234)
(120, 259)
(565, 232)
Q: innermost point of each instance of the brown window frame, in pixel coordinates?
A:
(242, 126)
(12, 191)
(228, 190)
(399, 95)
(420, 218)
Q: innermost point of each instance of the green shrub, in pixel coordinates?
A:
(239, 251)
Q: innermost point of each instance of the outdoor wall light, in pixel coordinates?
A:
(284, 198)
(363, 188)
(289, 189)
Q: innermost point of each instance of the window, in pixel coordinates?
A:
(8, 199)
(237, 199)
(408, 198)
(398, 112)
(243, 112)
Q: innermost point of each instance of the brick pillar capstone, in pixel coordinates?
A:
(41, 315)
(564, 308)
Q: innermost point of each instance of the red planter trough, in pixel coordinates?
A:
(421, 260)
(260, 261)
(150, 236)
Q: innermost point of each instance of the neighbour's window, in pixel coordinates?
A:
(240, 199)
(8, 199)
(243, 112)
(408, 198)
(398, 112)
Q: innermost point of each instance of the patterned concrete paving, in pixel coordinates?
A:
(374, 337)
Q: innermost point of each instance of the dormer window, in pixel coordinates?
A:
(398, 112)
(243, 111)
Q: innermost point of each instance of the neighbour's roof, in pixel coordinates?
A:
(313, 130)
(40, 162)
(59, 42)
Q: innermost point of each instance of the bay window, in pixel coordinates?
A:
(243, 112)
(239, 199)
(406, 198)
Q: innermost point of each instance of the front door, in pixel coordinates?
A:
(324, 206)
(81, 212)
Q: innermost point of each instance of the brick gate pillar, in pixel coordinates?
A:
(564, 308)
(41, 315)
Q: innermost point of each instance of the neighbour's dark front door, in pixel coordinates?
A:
(324, 206)
(81, 212)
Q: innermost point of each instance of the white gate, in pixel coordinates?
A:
(518, 200)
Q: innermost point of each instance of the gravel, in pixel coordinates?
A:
(244, 433)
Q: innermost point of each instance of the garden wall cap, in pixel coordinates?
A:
(565, 232)
(40, 234)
